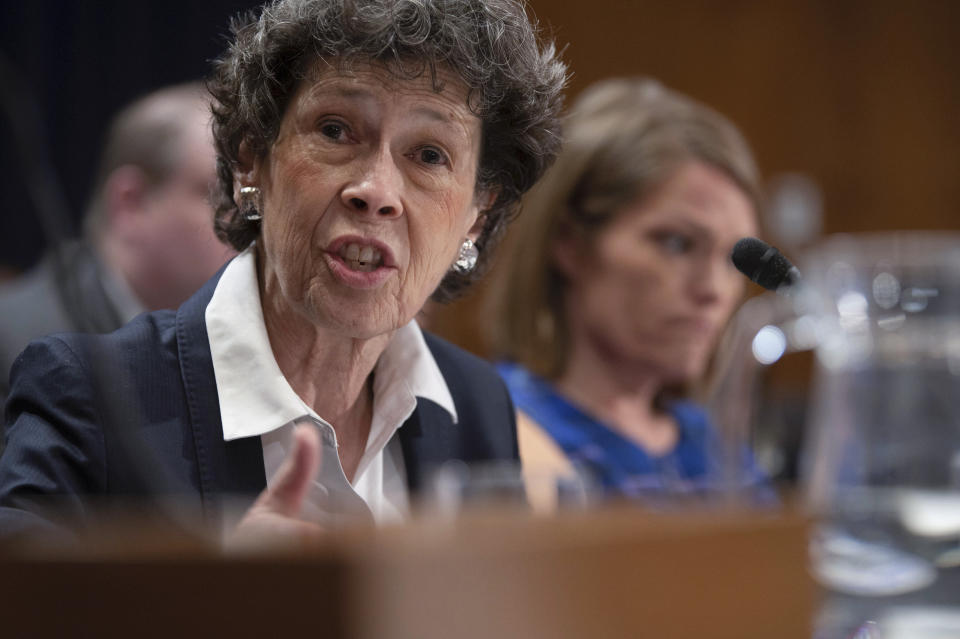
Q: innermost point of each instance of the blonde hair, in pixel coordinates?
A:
(623, 138)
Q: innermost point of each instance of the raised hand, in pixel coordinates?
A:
(274, 519)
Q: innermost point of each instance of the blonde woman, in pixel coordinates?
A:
(617, 285)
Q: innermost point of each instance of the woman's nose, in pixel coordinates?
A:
(376, 188)
(712, 281)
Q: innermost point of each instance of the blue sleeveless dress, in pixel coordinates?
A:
(617, 464)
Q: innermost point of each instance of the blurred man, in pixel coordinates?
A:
(148, 239)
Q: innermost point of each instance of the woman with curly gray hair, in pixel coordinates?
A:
(370, 154)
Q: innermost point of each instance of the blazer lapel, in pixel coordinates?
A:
(227, 469)
(428, 438)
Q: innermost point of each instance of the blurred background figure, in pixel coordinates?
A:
(148, 240)
(617, 285)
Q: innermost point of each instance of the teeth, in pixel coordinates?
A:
(361, 258)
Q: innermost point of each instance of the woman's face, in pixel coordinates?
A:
(368, 193)
(656, 285)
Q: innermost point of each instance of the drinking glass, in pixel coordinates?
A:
(882, 460)
(880, 463)
(506, 486)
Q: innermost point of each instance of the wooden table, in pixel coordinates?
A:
(617, 572)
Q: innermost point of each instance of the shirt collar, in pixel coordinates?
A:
(255, 398)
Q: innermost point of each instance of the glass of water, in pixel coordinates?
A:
(882, 459)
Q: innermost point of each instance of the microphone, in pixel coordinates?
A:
(764, 264)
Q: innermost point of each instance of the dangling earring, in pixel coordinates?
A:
(249, 198)
(467, 257)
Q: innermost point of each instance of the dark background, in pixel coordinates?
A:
(78, 62)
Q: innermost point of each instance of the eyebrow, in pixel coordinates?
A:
(360, 93)
(694, 228)
(675, 219)
(434, 114)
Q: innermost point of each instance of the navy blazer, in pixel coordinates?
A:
(135, 414)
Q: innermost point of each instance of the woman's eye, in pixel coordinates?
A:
(430, 155)
(675, 243)
(333, 130)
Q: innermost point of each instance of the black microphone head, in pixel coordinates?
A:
(763, 264)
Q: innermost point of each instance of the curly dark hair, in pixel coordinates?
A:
(515, 87)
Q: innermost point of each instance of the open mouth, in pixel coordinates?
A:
(363, 258)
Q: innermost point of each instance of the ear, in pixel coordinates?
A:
(477, 227)
(124, 194)
(484, 200)
(568, 253)
(247, 170)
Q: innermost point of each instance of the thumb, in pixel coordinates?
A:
(285, 496)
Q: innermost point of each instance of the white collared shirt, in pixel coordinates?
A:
(256, 400)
